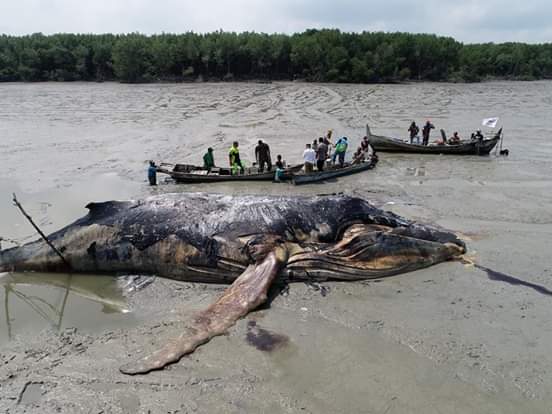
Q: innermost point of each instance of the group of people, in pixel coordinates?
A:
(262, 156)
(455, 139)
(315, 154)
(414, 130)
(318, 152)
(321, 150)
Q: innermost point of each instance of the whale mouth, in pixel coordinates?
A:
(373, 251)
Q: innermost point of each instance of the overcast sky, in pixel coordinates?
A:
(466, 20)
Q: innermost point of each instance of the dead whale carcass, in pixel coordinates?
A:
(247, 240)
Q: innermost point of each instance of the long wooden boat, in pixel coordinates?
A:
(471, 147)
(333, 172)
(189, 174)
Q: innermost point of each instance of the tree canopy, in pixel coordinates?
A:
(326, 55)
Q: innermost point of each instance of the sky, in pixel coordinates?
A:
(468, 21)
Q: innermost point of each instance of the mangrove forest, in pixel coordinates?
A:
(327, 55)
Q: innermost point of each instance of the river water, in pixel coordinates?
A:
(65, 144)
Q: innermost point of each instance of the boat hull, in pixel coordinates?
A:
(299, 179)
(386, 144)
(197, 176)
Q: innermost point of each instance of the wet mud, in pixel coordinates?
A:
(263, 339)
(514, 281)
(447, 339)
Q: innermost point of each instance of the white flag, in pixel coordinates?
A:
(490, 122)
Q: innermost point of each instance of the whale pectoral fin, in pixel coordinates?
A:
(247, 292)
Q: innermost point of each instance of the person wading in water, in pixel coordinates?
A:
(152, 173)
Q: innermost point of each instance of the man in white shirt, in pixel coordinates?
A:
(309, 157)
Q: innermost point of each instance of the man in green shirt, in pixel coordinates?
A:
(208, 159)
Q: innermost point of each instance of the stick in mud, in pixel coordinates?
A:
(28, 217)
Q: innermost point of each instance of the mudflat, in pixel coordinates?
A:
(456, 337)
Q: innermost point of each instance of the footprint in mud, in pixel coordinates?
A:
(263, 339)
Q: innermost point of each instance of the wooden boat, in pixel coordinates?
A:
(186, 173)
(466, 147)
(333, 172)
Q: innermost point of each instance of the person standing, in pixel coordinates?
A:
(152, 173)
(208, 159)
(426, 131)
(340, 150)
(321, 154)
(262, 155)
(234, 157)
(309, 158)
(414, 130)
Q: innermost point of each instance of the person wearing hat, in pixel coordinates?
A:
(208, 159)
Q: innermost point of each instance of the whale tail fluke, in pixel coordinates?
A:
(247, 292)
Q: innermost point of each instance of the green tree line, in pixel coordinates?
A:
(326, 55)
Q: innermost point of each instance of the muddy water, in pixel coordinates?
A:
(63, 145)
(33, 301)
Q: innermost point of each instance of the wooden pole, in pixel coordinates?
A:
(28, 217)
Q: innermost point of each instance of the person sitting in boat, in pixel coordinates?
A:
(478, 135)
(152, 173)
(340, 150)
(359, 156)
(309, 158)
(262, 155)
(234, 157)
(208, 159)
(455, 139)
(279, 163)
(426, 130)
(321, 154)
(366, 147)
(279, 172)
(414, 130)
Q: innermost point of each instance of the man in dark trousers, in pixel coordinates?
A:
(152, 173)
(262, 155)
(321, 154)
(414, 129)
(426, 130)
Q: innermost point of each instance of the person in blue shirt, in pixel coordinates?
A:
(152, 173)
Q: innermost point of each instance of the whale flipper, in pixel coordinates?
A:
(247, 292)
